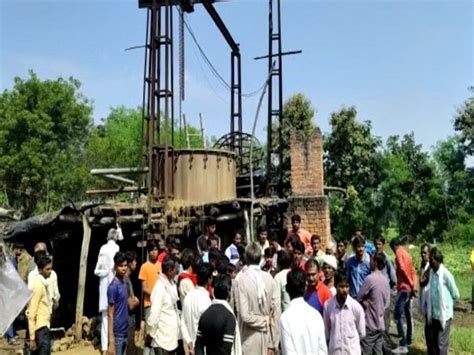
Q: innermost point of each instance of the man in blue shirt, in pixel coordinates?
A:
(317, 293)
(117, 297)
(358, 266)
(369, 247)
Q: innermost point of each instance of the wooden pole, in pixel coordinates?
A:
(82, 275)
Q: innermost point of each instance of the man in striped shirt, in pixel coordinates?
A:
(217, 330)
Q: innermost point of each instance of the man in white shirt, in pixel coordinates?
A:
(302, 327)
(51, 282)
(163, 321)
(232, 252)
(194, 305)
(104, 270)
(284, 267)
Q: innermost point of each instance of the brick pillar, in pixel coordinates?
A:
(307, 184)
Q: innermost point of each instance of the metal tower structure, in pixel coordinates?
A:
(274, 108)
(158, 135)
(158, 132)
(275, 97)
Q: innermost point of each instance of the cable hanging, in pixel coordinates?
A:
(212, 68)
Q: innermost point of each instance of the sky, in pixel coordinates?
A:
(405, 65)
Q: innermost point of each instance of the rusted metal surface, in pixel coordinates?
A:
(200, 175)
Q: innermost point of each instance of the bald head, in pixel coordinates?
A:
(41, 247)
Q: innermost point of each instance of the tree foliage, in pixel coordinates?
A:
(464, 123)
(43, 128)
(117, 141)
(352, 161)
(48, 143)
(458, 188)
(411, 188)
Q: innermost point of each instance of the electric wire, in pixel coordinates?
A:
(212, 68)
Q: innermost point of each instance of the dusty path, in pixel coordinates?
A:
(79, 349)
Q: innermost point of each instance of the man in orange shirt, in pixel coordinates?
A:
(303, 234)
(406, 287)
(149, 273)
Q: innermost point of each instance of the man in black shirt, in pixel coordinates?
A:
(209, 238)
(217, 332)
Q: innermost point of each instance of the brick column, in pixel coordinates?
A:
(307, 184)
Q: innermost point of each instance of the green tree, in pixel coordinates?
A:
(450, 156)
(116, 142)
(352, 161)
(412, 190)
(44, 125)
(298, 116)
(351, 151)
(464, 123)
(458, 188)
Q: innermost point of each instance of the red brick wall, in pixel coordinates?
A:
(307, 174)
(307, 185)
(314, 212)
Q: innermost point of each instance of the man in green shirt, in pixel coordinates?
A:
(441, 295)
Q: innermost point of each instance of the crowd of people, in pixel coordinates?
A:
(260, 297)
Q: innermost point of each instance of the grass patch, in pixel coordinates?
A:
(461, 338)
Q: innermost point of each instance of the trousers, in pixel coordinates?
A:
(121, 345)
(104, 331)
(403, 306)
(373, 342)
(43, 342)
(148, 350)
(437, 339)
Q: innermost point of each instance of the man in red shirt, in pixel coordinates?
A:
(171, 249)
(303, 234)
(406, 287)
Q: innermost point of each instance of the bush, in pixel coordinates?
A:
(461, 232)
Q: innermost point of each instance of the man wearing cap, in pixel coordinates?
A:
(104, 270)
(329, 270)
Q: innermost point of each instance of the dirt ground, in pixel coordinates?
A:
(75, 349)
(463, 317)
(79, 349)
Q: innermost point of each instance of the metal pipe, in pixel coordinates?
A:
(119, 178)
(276, 55)
(167, 106)
(172, 76)
(252, 193)
(115, 191)
(151, 102)
(108, 171)
(270, 98)
(232, 99)
(239, 100)
(220, 25)
(280, 104)
(201, 123)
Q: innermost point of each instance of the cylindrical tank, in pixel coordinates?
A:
(203, 175)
